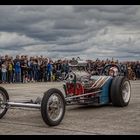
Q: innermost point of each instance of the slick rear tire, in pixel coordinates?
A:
(53, 107)
(120, 92)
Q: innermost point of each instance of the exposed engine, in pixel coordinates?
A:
(80, 82)
(78, 76)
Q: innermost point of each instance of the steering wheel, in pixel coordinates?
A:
(106, 69)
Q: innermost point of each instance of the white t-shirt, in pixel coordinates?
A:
(4, 69)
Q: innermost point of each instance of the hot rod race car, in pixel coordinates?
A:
(82, 88)
(79, 88)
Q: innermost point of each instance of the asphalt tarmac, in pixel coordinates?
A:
(78, 120)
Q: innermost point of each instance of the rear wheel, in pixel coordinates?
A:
(120, 91)
(53, 107)
(4, 97)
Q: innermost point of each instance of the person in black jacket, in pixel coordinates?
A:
(137, 70)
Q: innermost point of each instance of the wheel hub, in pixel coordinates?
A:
(1, 100)
(54, 107)
(2, 106)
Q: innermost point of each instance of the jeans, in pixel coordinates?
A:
(30, 75)
(48, 75)
(17, 77)
(3, 76)
(35, 75)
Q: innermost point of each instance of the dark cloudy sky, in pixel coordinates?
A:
(103, 31)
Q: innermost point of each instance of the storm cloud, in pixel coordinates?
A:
(90, 32)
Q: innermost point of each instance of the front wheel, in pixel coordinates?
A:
(53, 107)
(120, 91)
(4, 98)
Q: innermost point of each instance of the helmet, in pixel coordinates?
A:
(113, 71)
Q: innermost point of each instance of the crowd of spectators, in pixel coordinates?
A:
(23, 69)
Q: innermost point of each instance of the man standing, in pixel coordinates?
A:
(4, 72)
(137, 70)
(17, 67)
(49, 71)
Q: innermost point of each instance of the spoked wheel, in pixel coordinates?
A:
(4, 97)
(120, 91)
(53, 107)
